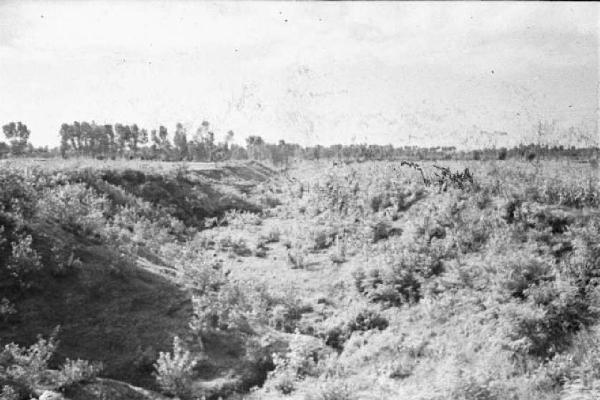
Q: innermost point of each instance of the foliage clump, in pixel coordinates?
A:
(174, 370)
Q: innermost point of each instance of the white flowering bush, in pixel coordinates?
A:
(27, 365)
(24, 261)
(175, 370)
(78, 371)
(75, 206)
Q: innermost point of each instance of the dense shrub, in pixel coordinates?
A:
(18, 196)
(27, 365)
(286, 313)
(74, 206)
(174, 371)
(390, 287)
(8, 392)
(358, 318)
(299, 362)
(225, 308)
(24, 261)
(521, 271)
(544, 323)
(235, 244)
(240, 219)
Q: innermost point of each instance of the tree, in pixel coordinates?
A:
(180, 141)
(100, 140)
(134, 138)
(65, 137)
(160, 141)
(143, 137)
(76, 135)
(237, 152)
(254, 145)
(502, 153)
(208, 140)
(110, 137)
(123, 133)
(86, 137)
(18, 135)
(229, 136)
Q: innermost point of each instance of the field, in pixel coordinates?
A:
(378, 280)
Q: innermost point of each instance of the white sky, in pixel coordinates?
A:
(400, 73)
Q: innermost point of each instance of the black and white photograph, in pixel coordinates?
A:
(299, 200)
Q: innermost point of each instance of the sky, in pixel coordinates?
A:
(459, 74)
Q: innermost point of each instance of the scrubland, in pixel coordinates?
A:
(375, 280)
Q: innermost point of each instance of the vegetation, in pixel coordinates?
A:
(123, 141)
(174, 371)
(425, 280)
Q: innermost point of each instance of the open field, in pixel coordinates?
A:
(371, 280)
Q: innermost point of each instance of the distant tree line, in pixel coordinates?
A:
(108, 141)
(529, 152)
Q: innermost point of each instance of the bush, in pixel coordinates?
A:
(260, 250)
(237, 245)
(366, 318)
(77, 371)
(74, 206)
(174, 371)
(321, 238)
(520, 272)
(221, 309)
(298, 363)
(332, 390)
(543, 324)
(24, 261)
(390, 288)
(285, 317)
(270, 201)
(359, 318)
(380, 229)
(283, 381)
(241, 219)
(6, 309)
(18, 195)
(64, 261)
(9, 393)
(27, 365)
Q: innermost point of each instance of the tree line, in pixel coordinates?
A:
(108, 141)
(131, 141)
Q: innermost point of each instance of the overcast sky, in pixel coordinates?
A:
(400, 73)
